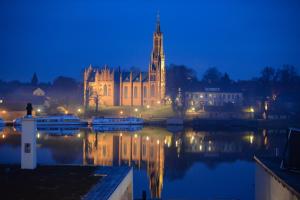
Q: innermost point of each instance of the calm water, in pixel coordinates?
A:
(176, 163)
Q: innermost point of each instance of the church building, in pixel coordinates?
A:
(113, 87)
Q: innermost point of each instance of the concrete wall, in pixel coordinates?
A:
(267, 187)
(125, 189)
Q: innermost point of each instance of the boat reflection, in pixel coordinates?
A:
(54, 130)
(105, 128)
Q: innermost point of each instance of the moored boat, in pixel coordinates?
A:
(117, 121)
(55, 120)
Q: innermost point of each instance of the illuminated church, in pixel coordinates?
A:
(113, 87)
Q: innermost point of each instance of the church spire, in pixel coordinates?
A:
(157, 23)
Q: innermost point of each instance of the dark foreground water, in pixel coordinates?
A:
(169, 163)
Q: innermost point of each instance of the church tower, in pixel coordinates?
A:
(157, 70)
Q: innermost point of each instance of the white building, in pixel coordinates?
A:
(212, 97)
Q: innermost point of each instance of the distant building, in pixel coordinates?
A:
(113, 87)
(213, 97)
(39, 92)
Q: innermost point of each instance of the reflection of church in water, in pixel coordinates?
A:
(138, 150)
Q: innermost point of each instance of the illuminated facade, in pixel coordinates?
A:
(129, 149)
(113, 87)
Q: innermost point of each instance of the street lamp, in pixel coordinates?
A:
(121, 112)
(148, 106)
(135, 110)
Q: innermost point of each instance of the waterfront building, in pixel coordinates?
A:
(113, 87)
(212, 97)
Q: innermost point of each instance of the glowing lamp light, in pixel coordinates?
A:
(4, 111)
(135, 136)
(78, 135)
(121, 112)
(38, 110)
(148, 106)
(3, 136)
(38, 135)
(79, 110)
(1, 100)
(252, 109)
(66, 112)
(158, 102)
(121, 134)
(135, 110)
(157, 141)
(147, 138)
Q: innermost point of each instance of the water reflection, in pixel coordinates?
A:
(164, 153)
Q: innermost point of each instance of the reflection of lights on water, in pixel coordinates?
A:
(192, 139)
(200, 147)
(176, 143)
(209, 142)
(251, 138)
(209, 148)
(38, 135)
(165, 141)
(3, 136)
(266, 140)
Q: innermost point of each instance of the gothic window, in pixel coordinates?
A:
(134, 149)
(105, 90)
(125, 149)
(144, 150)
(135, 92)
(145, 91)
(125, 92)
(152, 91)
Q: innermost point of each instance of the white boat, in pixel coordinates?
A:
(2, 123)
(117, 121)
(54, 120)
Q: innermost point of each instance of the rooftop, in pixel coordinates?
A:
(290, 179)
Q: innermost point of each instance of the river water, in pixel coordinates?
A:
(169, 162)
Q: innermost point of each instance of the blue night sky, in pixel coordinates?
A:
(62, 37)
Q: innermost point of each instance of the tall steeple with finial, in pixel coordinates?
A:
(157, 72)
(157, 23)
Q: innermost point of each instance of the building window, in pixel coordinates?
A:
(135, 92)
(144, 150)
(152, 91)
(145, 91)
(125, 92)
(134, 149)
(105, 90)
(104, 151)
(125, 149)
